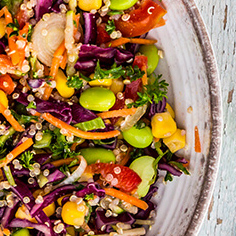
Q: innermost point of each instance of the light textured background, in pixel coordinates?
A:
(220, 19)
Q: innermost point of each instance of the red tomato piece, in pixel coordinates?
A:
(142, 19)
(102, 35)
(140, 61)
(121, 177)
(6, 84)
(22, 17)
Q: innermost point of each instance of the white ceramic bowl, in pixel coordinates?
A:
(190, 67)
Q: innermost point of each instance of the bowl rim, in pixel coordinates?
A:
(213, 159)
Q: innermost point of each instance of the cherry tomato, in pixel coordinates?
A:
(102, 35)
(121, 177)
(6, 84)
(142, 19)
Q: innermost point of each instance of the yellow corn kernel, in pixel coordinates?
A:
(163, 125)
(86, 176)
(3, 99)
(23, 213)
(170, 110)
(73, 213)
(2, 27)
(50, 209)
(59, 200)
(71, 231)
(176, 141)
(61, 85)
(88, 5)
(117, 86)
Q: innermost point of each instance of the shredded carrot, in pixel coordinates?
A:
(47, 92)
(57, 58)
(63, 61)
(76, 19)
(61, 162)
(10, 118)
(117, 113)
(68, 129)
(122, 40)
(156, 140)
(186, 164)
(6, 232)
(14, 54)
(197, 140)
(144, 78)
(17, 151)
(160, 23)
(125, 160)
(126, 197)
(73, 146)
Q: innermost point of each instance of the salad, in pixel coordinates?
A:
(85, 125)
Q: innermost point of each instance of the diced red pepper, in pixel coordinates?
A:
(102, 35)
(6, 84)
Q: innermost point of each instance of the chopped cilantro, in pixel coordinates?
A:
(110, 26)
(26, 160)
(74, 82)
(31, 105)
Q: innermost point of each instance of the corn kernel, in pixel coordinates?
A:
(163, 125)
(23, 213)
(2, 27)
(88, 5)
(3, 99)
(117, 86)
(73, 214)
(59, 200)
(50, 209)
(176, 141)
(61, 85)
(170, 110)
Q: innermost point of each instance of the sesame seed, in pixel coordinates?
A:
(46, 16)
(39, 199)
(2, 203)
(73, 198)
(9, 156)
(30, 98)
(63, 131)
(108, 213)
(37, 171)
(109, 177)
(38, 126)
(16, 162)
(127, 81)
(31, 180)
(15, 95)
(5, 84)
(25, 68)
(128, 101)
(120, 95)
(116, 151)
(123, 148)
(24, 90)
(7, 112)
(46, 172)
(113, 35)
(91, 233)
(23, 7)
(103, 228)
(38, 136)
(32, 132)
(36, 165)
(114, 182)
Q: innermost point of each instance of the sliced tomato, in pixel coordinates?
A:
(6, 84)
(102, 35)
(140, 61)
(22, 17)
(146, 17)
(121, 177)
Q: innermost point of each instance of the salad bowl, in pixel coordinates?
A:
(190, 67)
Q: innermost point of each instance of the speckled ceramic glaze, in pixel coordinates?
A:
(189, 66)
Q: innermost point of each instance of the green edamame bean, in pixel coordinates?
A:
(139, 138)
(151, 52)
(97, 99)
(144, 167)
(44, 142)
(122, 4)
(22, 232)
(91, 155)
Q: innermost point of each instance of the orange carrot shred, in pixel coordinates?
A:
(197, 140)
(47, 92)
(144, 78)
(17, 151)
(122, 40)
(61, 162)
(126, 197)
(10, 118)
(63, 61)
(125, 160)
(68, 129)
(117, 113)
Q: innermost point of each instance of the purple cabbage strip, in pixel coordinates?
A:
(41, 158)
(91, 188)
(151, 192)
(16, 172)
(80, 114)
(2, 210)
(171, 169)
(35, 83)
(179, 159)
(134, 47)
(56, 176)
(9, 213)
(144, 214)
(25, 134)
(87, 66)
(157, 108)
(90, 34)
(15, 223)
(122, 56)
(55, 7)
(48, 166)
(52, 197)
(101, 219)
(42, 7)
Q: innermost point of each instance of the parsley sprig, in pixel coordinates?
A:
(26, 160)
(15, 27)
(110, 26)
(151, 93)
(74, 82)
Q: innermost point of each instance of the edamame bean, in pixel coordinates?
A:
(44, 142)
(139, 138)
(122, 4)
(151, 52)
(22, 232)
(97, 99)
(91, 155)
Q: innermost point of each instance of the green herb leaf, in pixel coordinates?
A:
(168, 177)
(30, 32)
(26, 160)
(96, 123)
(180, 167)
(140, 125)
(13, 33)
(152, 93)
(74, 82)
(112, 13)
(134, 73)
(89, 197)
(31, 105)
(110, 26)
